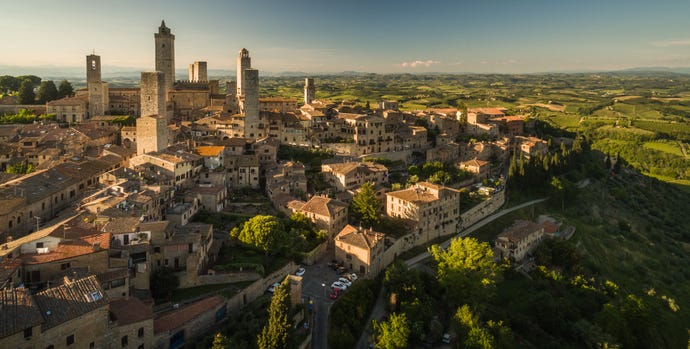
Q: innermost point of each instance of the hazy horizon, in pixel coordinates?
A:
(328, 37)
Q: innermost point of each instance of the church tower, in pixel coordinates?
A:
(165, 55)
(97, 89)
(252, 126)
(244, 62)
(309, 90)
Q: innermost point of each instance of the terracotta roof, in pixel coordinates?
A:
(179, 317)
(122, 225)
(519, 230)
(68, 101)
(362, 238)
(70, 300)
(323, 206)
(130, 311)
(419, 194)
(17, 311)
(70, 249)
(348, 167)
(209, 150)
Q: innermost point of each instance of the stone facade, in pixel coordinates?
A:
(518, 240)
(165, 57)
(360, 250)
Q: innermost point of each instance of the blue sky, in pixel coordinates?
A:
(505, 36)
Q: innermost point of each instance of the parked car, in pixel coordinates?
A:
(352, 277)
(340, 285)
(300, 271)
(272, 288)
(336, 293)
(446, 338)
(345, 281)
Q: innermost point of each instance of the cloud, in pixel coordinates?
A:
(672, 43)
(415, 64)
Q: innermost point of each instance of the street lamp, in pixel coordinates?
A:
(324, 290)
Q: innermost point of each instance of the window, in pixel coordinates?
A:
(140, 332)
(123, 341)
(28, 332)
(156, 250)
(64, 266)
(70, 339)
(92, 345)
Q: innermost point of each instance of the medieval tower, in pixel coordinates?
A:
(309, 90)
(244, 62)
(252, 127)
(152, 126)
(97, 89)
(198, 72)
(165, 55)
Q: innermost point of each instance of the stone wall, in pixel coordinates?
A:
(315, 254)
(15, 108)
(255, 290)
(227, 278)
(481, 211)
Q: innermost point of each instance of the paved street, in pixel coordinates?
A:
(316, 283)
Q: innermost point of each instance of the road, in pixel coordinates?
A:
(416, 259)
(316, 283)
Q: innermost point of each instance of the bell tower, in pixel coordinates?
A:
(244, 62)
(165, 54)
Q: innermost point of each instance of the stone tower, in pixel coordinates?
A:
(198, 72)
(165, 54)
(97, 89)
(309, 90)
(250, 106)
(152, 126)
(244, 62)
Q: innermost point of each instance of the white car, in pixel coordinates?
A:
(272, 288)
(345, 281)
(353, 277)
(340, 285)
(300, 271)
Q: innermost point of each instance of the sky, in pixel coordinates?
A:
(378, 36)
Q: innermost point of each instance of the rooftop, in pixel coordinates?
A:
(179, 317)
(362, 238)
(17, 311)
(70, 300)
(323, 206)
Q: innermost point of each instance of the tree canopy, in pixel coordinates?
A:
(47, 91)
(365, 206)
(9, 83)
(266, 233)
(392, 334)
(26, 93)
(65, 89)
(164, 282)
(466, 269)
(275, 334)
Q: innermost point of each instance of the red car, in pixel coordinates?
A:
(336, 293)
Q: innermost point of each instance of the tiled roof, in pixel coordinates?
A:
(17, 311)
(348, 167)
(130, 311)
(209, 150)
(179, 317)
(519, 230)
(323, 206)
(70, 249)
(70, 300)
(474, 163)
(361, 238)
(67, 101)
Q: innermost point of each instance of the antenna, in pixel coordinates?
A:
(93, 51)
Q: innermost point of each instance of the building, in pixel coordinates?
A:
(198, 72)
(131, 324)
(97, 89)
(165, 57)
(435, 208)
(71, 109)
(351, 175)
(518, 240)
(360, 250)
(480, 168)
(309, 90)
(180, 326)
(328, 214)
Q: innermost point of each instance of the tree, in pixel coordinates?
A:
(275, 334)
(392, 334)
(220, 341)
(9, 83)
(35, 80)
(557, 186)
(26, 93)
(365, 206)
(65, 89)
(266, 233)
(164, 282)
(466, 269)
(47, 91)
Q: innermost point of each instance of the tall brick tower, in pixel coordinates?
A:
(165, 54)
(97, 89)
(244, 62)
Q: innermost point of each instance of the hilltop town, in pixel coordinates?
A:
(121, 190)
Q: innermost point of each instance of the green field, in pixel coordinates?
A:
(666, 147)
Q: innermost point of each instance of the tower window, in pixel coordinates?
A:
(93, 64)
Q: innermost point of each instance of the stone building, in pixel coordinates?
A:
(71, 109)
(328, 214)
(435, 208)
(97, 89)
(165, 57)
(351, 175)
(180, 326)
(131, 324)
(198, 72)
(360, 250)
(518, 240)
(309, 90)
